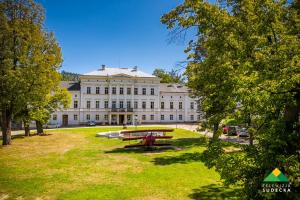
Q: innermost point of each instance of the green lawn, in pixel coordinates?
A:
(74, 164)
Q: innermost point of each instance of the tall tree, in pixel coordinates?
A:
(169, 77)
(248, 52)
(69, 76)
(58, 100)
(29, 60)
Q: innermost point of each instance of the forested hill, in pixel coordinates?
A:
(69, 76)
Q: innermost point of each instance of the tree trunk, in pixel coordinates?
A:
(215, 133)
(39, 128)
(26, 128)
(6, 127)
(251, 138)
(251, 132)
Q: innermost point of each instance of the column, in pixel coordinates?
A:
(109, 119)
(117, 119)
(132, 118)
(125, 119)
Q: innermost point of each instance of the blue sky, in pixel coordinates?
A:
(117, 33)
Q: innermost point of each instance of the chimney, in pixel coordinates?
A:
(135, 68)
(103, 67)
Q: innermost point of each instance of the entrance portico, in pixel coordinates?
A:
(120, 118)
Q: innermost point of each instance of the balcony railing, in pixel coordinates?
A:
(121, 109)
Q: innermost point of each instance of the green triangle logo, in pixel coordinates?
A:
(276, 176)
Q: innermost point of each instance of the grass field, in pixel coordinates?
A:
(74, 164)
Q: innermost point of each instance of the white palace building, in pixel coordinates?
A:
(125, 96)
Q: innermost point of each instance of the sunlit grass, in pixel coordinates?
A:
(74, 164)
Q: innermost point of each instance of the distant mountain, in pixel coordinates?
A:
(69, 76)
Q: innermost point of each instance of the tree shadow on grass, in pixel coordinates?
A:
(214, 191)
(140, 150)
(182, 159)
(189, 142)
(176, 145)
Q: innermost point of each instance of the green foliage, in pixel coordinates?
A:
(247, 52)
(230, 122)
(30, 59)
(69, 76)
(213, 153)
(169, 77)
(58, 100)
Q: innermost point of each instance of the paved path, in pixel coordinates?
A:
(193, 127)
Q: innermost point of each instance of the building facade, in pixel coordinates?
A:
(125, 96)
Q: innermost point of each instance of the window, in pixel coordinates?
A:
(136, 91)
(136, 105)
(180, 117)
(75, 104)
(128, 90)
(144, 105)
(106, 90)
(192, 117)
(121, 104)
(114, 104)
(105, 117)
(152, 104)
(180, 105)
(192, 105)
(198, 117)
(88, 104)
(151, 117)
(54, 117)
(121, 90)
(152, 91)
(171, 105)
(114, 90)
(97, 90)
(97, 117)
(88, 117)
(128, 104)
(75, 117)
(162, 105)
(171, 117)
(97, 104)
(162, 117)
(105, 104)
(88, 90)
(143, 117)
(144, 91)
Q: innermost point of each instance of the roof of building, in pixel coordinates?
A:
(70, 85)
(174, 88)
(107, 71)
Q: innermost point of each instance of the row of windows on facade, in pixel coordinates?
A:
(162, 117)
(121, 91)
(121, 104)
